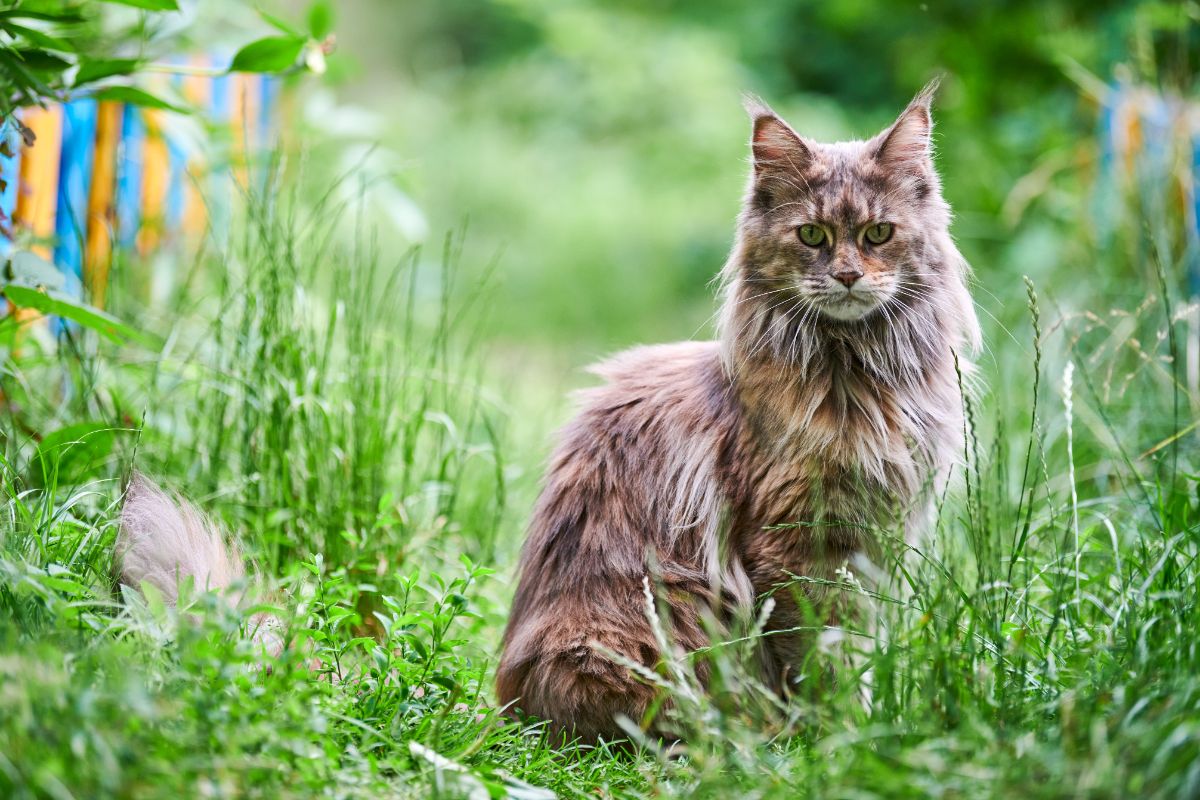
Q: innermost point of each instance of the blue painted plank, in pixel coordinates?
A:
(10, 169)
(220, 180)
(129, 177)
(177, 161)
(1194, 234)
(266, 111)
(74, 183)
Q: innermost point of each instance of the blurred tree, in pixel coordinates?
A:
(599, 142)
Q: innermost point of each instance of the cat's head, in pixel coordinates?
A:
(843, 231)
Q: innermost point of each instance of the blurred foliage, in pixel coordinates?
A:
(600, 146)
(60, 50)
(52, 51)
(47, 46)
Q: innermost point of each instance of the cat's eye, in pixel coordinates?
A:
(811, 235)
(878, 233)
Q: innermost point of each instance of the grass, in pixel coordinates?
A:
(335, 408)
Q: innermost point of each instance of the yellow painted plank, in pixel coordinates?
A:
(155, 171)
(197, 90)
(246, 99)
(98, 252)
(37, 200)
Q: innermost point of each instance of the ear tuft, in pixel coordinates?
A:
(773, 142)
(925, 97)
(756, 107)
(908, 142)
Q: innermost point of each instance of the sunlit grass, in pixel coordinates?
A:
(334, 408)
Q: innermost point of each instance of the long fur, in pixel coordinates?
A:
(721, 468)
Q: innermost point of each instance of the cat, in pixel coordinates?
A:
(828, 408)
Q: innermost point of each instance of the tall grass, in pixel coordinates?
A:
(329, 403)
(324, 394)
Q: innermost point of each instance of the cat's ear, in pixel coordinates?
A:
(907, 143)
(774, 144)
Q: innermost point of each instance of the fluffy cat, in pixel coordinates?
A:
(828, 409)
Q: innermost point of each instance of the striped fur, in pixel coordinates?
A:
(830, 411)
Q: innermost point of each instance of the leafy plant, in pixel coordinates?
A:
(52, 51)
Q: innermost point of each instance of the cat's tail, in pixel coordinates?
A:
(164, 540)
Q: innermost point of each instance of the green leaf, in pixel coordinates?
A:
(279, 24)
(418, 646)
(270, 54)
(137, 97)
(61, 17)
(64, 585)
(150, 5)
(320, 19)
(364, 643)
(73, 451)
(15, 72)
(42, 60)
(30, 269)
(91, 70)
(52, 302)
(43, 40)
(445, 681)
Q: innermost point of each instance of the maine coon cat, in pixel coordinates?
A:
(829, 408)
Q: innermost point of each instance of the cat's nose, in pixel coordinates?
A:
(847, 277)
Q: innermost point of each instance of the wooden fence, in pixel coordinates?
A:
(103, 175)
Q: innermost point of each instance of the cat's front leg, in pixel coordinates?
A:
(818, 632)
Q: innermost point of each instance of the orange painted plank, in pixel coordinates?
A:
(37, 200)
(197, 90)
(245, 119)
(155, 168)
(101, 211)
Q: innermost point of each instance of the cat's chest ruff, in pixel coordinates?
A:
(844, 424)
(831, 450)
